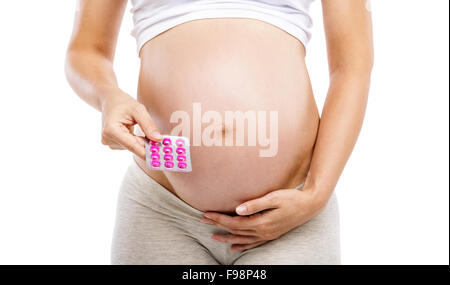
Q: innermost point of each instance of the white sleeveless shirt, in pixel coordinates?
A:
(152, 17)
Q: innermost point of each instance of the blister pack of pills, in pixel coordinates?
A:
(170, 154)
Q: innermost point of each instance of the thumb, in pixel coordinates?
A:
(142, 117)
(256, 205)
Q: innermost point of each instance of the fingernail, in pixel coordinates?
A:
(241, 209)
(207, 216)
(156, 135)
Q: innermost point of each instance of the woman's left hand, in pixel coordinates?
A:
(266, 218)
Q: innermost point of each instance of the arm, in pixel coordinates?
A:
(89, 70)
(350, 54)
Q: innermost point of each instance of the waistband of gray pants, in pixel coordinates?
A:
(159, 196)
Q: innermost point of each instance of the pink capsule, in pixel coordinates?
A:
(166, 141)
(156, 163)
(153, 142)
(168, 157)
(179, 142)
(181, 150)
(181, 158)
(155, 156)
(154, 148)
(169, 164)
(182, 165)
(167, 149)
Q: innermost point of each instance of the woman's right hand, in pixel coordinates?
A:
(120, 112)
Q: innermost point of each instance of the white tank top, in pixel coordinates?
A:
(152, 17)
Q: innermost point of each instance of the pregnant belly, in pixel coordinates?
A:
(239, 89)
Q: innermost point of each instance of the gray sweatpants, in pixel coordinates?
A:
(153, 226)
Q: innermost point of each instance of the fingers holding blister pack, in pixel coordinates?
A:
(170, 154)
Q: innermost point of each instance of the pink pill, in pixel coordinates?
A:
(181, 158)
(169, 164)
(166, 141)
(168, 157)
(155, 156)
(156, 163)
(154, 148)
(167, 149)
(181, 150)
(182, 165)
(153, 142)
(179, 142)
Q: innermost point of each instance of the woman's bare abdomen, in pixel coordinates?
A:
(205, 68)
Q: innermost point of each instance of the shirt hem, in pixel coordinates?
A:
(156, 29)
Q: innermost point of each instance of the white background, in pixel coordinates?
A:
(58, 184)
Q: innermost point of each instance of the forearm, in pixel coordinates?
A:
(340, 124)
(91, 76)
